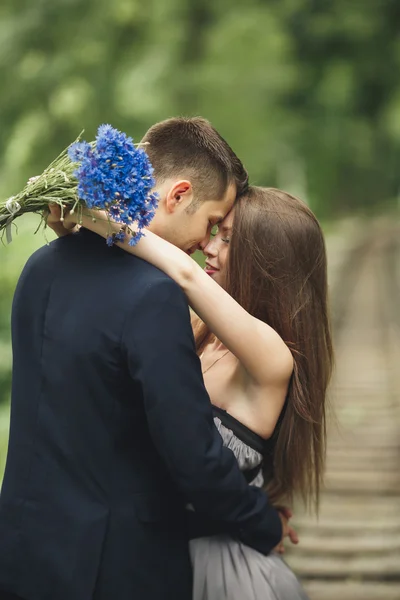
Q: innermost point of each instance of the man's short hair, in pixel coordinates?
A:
(190, 147)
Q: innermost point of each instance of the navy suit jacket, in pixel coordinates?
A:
(111, 435)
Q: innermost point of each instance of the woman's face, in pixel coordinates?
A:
(217, 249)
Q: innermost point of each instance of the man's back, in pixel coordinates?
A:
(87, 507)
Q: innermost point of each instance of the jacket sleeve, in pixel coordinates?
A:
(159, 344)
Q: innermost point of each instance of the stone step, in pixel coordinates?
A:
(359, 463)
(375, 431)
(367, 453)
(360, 542)
(353, 414)
(343, 513)
(374, 566)
(349, 415)
(357, 442)
(362, 396)
(365, 481)
(364, 505)
(336, 526)
(352, 590)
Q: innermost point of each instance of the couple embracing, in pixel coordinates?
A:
(152, 451)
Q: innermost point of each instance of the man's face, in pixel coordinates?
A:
(190, 229)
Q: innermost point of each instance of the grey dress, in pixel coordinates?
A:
(225, 569)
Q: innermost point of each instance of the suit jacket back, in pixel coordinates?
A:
(88, 508)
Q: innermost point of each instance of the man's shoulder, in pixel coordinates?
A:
(156, 280)
(40, 256)
(116, 265)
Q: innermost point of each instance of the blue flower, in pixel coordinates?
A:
(116, 237)
(77, 151)
(135, 238)
(120, 236)
(114, 175)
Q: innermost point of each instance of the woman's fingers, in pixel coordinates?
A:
(294, 538)
(64, 217)
(59, 227)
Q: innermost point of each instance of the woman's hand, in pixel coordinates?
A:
(61, 228)
(287, 531)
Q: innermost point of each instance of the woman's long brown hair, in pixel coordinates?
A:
(277, 271)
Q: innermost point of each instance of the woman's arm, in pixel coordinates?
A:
(257, 346)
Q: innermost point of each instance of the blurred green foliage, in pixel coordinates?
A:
(306, 91)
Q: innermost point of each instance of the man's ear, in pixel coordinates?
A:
(180, 194)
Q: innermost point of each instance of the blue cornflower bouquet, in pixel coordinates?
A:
(111, 174)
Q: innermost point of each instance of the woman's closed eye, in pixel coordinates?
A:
(215, 230)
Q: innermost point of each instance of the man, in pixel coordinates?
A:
(111, 427)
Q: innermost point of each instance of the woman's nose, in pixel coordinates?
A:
(209, 247)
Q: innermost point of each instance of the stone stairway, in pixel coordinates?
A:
(353, 550)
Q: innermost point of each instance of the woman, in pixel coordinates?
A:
(263, 337)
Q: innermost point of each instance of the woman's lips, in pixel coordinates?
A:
(210, 270)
